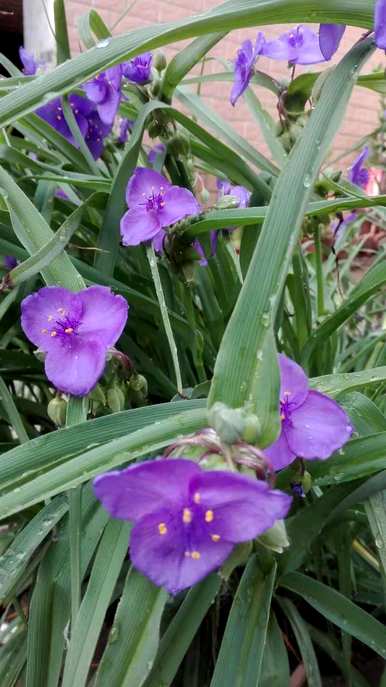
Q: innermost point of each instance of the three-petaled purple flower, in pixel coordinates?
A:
(138, 70)
(358, 174)
(312, 424)
(300, 45)
(90, 124)
(153, 204)
(244, 66)
(105, 91)
(330, 36)
(187, 520)
(74, 330)
(30, 66)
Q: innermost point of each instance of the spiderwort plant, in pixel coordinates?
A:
(244, 66)
(358, 174)
(105, 91)
(187, 520)
(313, 425)
(75, 331)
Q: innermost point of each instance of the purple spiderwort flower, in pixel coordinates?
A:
(241, 194)
(342, 225)
(156, 152)
(138, 70)
(358, 174)
(297, 46)
(125, 127)
(313, 424)
(9, 262)
(187, 520)
(330, 36)
(244, 66)
(380, 23)
(75, 331)
(153, 204)
(90, 125)
(30, 66)
(105, 91)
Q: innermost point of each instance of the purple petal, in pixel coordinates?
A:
(279, 453)
(138, 69)
(9, 262)
(109, 108)
(179, 203)
(243, 70)
(158, 241)
(156, 152)
(144, 488)
(76, 366)
(330, 36)
(298, 46)
(242, 194)
(96, 133)
(199, 249)
(241, 508)
(167, 559)
(142, 184)
(224, 187)
(318, 427)
(96, 89)
(213, 242)
(139, 224)
(358, 174)
(40, 310)
(114, 76)
(104, 315)
(29, 63)
(380, 24)
(293, 381)
(309, 52)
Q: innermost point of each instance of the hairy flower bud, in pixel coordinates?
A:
(227, 422)
(276, 537)
(159, 61)
(115, 399)
(56, 411)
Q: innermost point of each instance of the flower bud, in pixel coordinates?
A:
(252, 428)
(276, 538)
(227, 203)
(159, 61)
(179, 145)
(115, 399)
(306, 482)
(227, 422)
(204, 195)
(138, 383)
(56, 411)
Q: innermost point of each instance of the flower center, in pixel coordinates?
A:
(62, 325)
(155, 200)
(285, 408)
(296, 38)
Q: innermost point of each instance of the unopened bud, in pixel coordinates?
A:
(56, 411)
(179, 145)
(252, 428)
(159, 61)
(204, 195)
(227, 422)
(276, 538)
(115, 399)
(306, 482)
(138, 383)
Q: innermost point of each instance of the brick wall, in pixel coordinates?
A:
(362, 114)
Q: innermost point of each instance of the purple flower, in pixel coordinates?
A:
(312, 424)
(342, 225)
(241, 194)
(380, 24)
(90, 125)
(138, 69)
(244, 66)
(298, 46)
(155, 152)
(75, 331)
(153, 204)
(125, 126)
(358, 174)
(330, 36)
(9, 262)
(187, 521)
(105, 91)
(30, 65)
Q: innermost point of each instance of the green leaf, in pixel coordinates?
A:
(185, 60)
(181, 631)
(82, 468)
(91, 24)
(84, 635)
(33, 232)
(334, 652)
(275, 671)
(134, 636)
(8, 404)
(376, 513)
(373, 281)
(15, 558)
(359, 458)
(241, 652)
(267, 126)
(341, 611)
(241, 352)
(61, 32)
(304, 642)
(338, 383)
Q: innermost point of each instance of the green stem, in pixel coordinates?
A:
(319, 273)
(165, 315)
(76, 413)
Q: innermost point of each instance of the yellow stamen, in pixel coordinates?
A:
(162, 529)
(187, 516)
(44, 331)
(197, 497)
(215, 537)
(53, 333)
(196, 555)
(287, 393)
(69, 330)
(282, 416)
(50, 317)
(209, 515)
